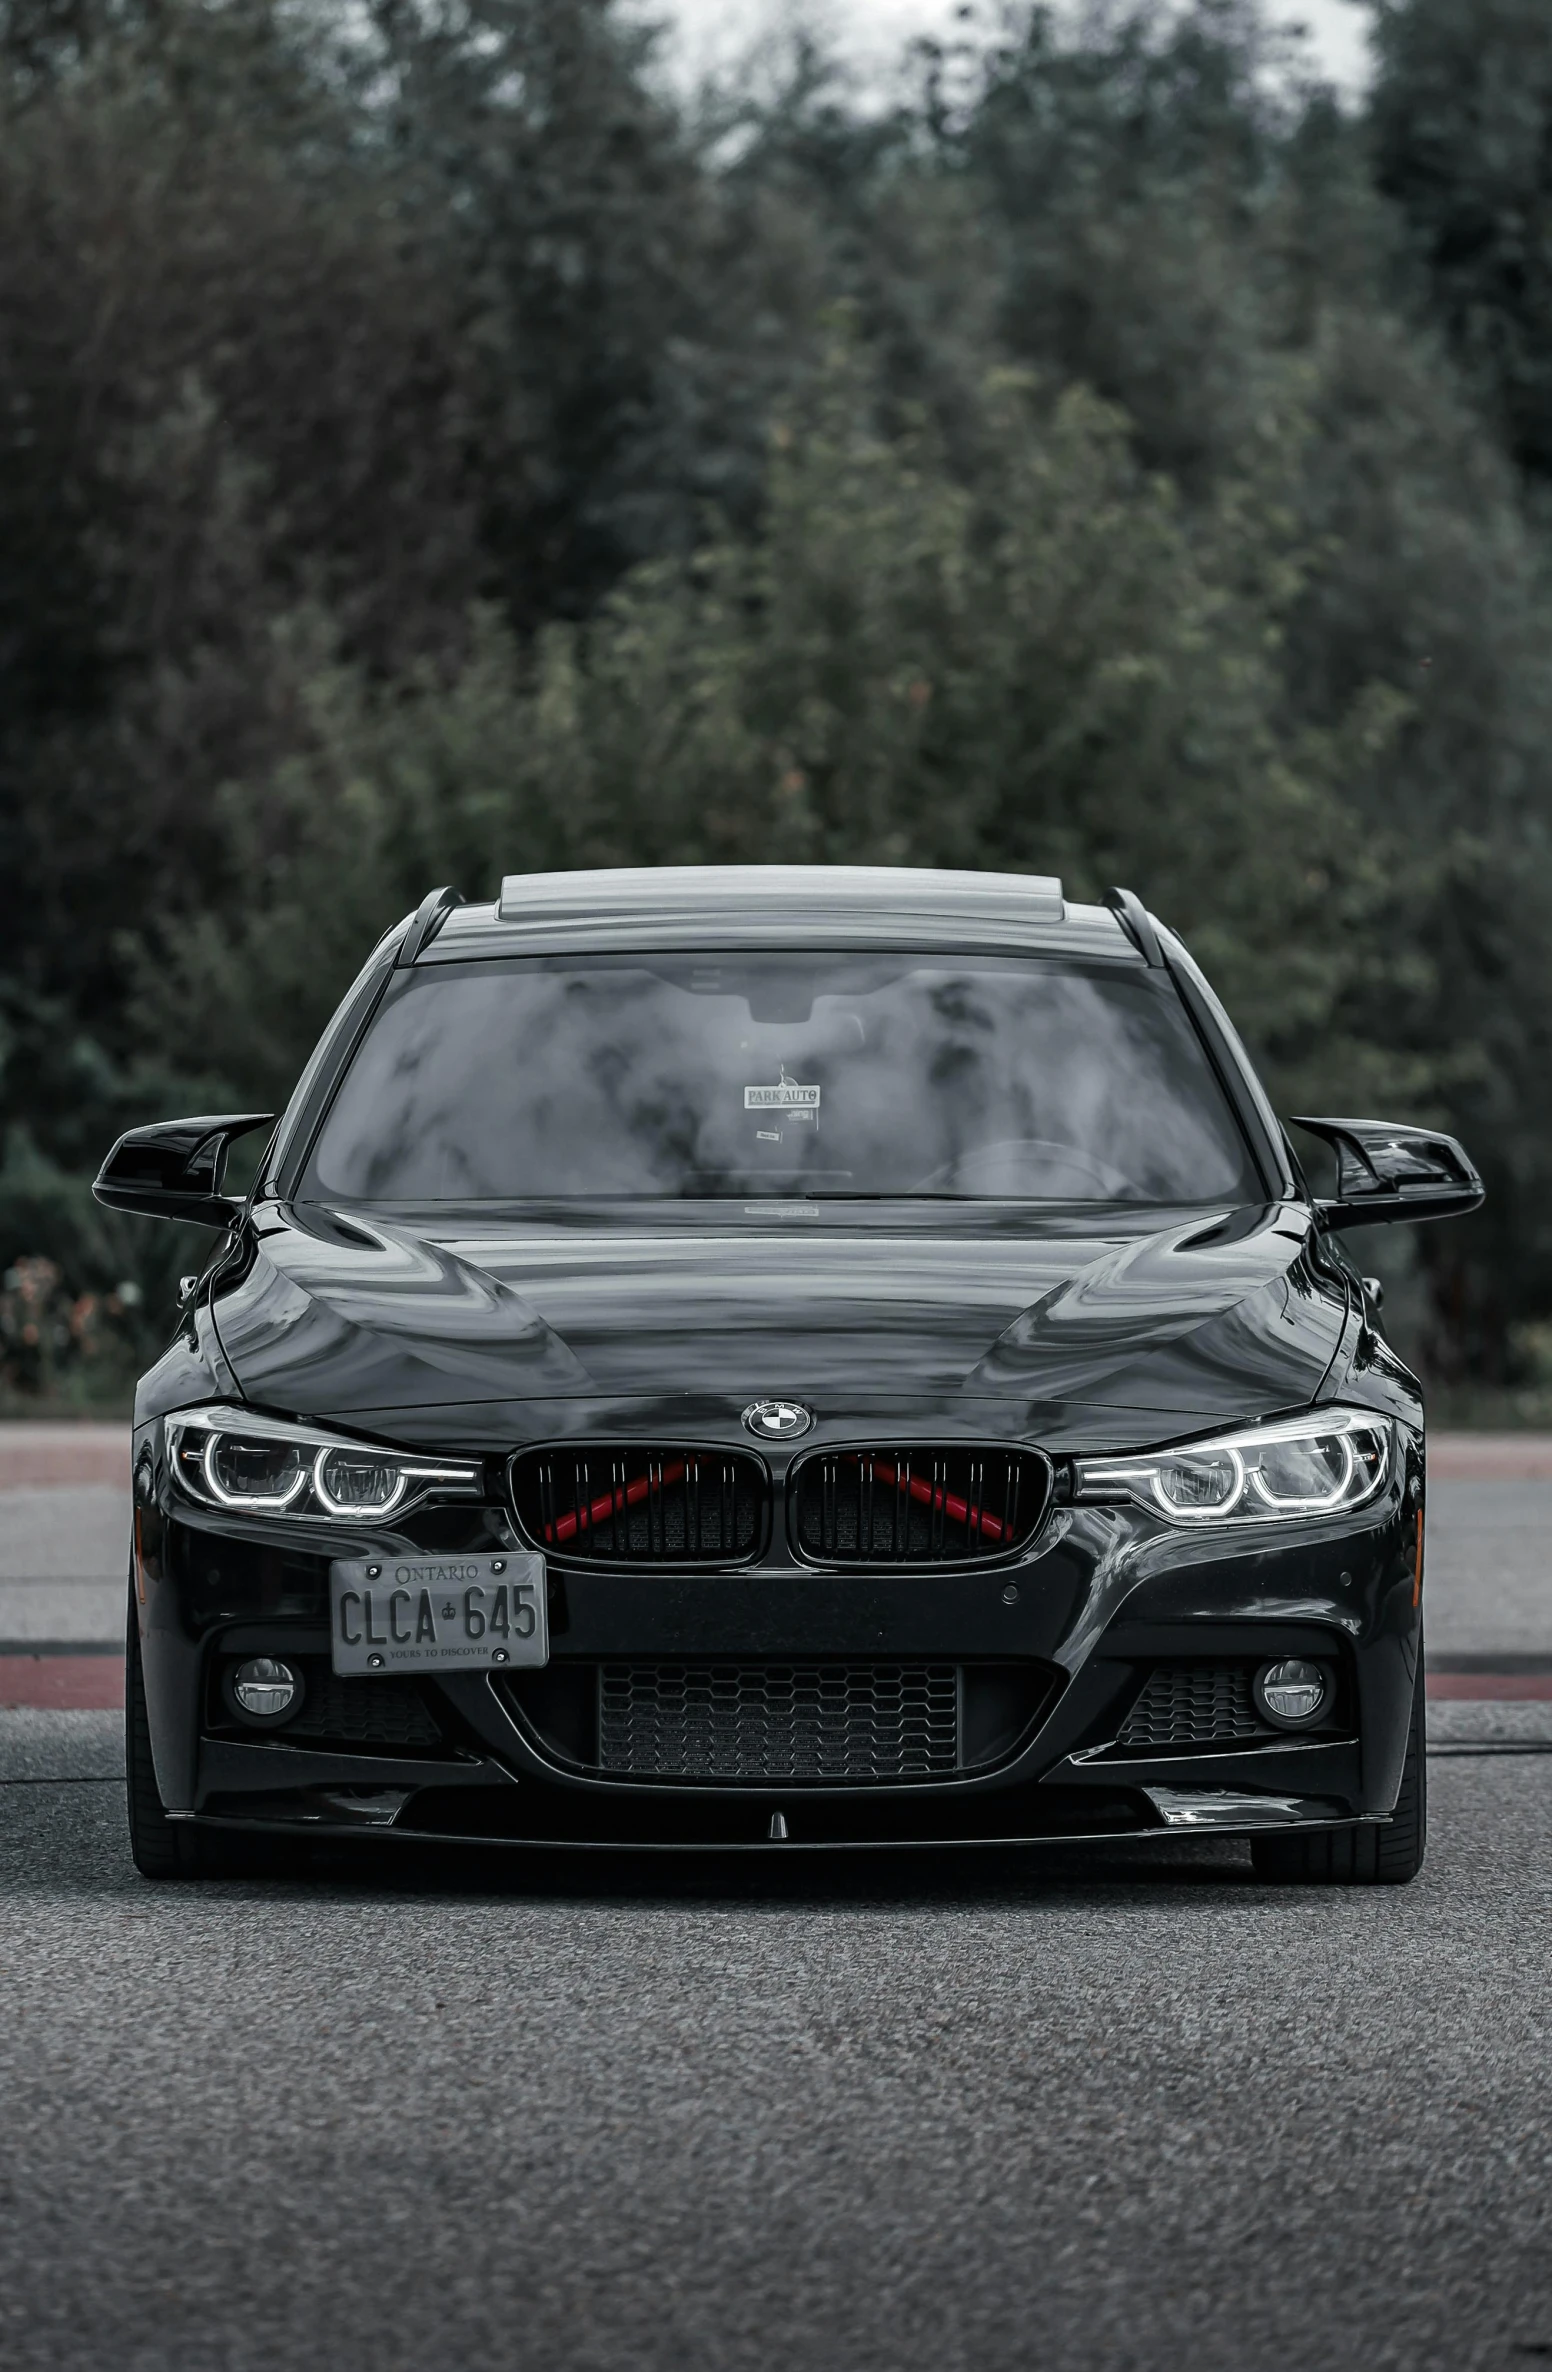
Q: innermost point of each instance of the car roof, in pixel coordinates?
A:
(752, 906)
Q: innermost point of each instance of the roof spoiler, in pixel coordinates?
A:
(667, 892)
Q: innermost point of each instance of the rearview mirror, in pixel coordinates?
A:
(173, 1170)
(1388, 1171)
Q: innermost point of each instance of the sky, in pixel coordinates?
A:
(872, 32)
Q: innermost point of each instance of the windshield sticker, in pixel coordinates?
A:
(785, 1096)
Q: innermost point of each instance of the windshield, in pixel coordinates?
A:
(786, 1074)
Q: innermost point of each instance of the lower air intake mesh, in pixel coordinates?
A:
(1193, 1705)
(387, 1712)
(779, 1722)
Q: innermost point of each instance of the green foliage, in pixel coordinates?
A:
(85, 1307)
(1080, 675)
(1460, 139)
(425, 452)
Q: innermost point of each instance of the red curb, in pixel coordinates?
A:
(62, 1683)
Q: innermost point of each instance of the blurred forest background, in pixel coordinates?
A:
(429, 448)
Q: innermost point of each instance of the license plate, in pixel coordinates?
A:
(438, 1614)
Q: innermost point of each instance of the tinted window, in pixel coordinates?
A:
(786, 1074)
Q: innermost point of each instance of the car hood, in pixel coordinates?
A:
(355, 1316)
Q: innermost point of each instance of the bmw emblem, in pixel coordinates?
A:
(777, 1420)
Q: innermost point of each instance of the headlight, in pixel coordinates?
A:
(1334, 1459)
(233, 1459)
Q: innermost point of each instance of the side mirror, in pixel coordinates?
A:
(1387, 1171)
(173, 1170)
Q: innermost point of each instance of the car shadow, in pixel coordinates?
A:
(838, 1879)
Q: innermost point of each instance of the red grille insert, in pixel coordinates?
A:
(943, 1506)
(633, 1504)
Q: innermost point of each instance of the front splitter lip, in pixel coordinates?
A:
(341, 1832)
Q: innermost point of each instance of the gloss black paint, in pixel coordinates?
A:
(1078, 1332)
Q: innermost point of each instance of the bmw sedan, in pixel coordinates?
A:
(776, 1359)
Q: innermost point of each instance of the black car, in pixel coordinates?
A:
(775, 1358)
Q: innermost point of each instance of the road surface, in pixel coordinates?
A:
(1122, 2110)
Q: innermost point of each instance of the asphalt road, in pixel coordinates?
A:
(1122, 2108)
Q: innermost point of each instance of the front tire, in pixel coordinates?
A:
(1370, 1855)
(164, 1848)
(155, 1842)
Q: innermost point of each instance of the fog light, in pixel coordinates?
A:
(265, 1690)
(1292, 1694)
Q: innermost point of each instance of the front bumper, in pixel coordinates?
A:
(1067, 1635)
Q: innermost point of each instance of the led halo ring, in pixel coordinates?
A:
(1333, 1498)
(1221, 1507)
(1366, 1440)
(332, 1506)
(257, 1502)
(195, 1438)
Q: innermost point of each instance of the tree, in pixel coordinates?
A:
(424, 449)
(1461, 126)
(1078, 677)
